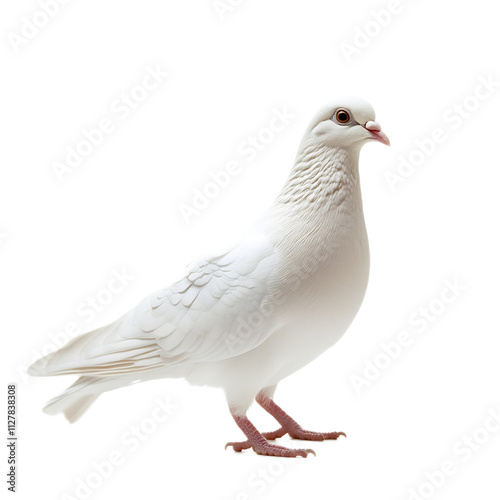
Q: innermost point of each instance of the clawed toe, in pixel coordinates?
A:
(238, 445)
(333, 435)
(314, 436)
(280, 451)
(269, 449)
(261, 444)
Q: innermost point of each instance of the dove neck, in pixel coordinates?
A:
(323, 181)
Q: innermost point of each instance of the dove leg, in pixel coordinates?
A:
(244, 445)
(288, 424)
(259, 443)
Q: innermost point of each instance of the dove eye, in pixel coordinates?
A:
(342, 116)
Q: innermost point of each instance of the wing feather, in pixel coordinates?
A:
(205, 316)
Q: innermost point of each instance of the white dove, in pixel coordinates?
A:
(245, 319)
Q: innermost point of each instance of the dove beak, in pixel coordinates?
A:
(376, 131)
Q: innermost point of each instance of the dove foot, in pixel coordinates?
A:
(314, 436)
(244, 445)
(288, 424)
(260, 444)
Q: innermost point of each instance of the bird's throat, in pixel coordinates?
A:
(323, 180)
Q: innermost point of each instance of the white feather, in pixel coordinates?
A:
(245, 319)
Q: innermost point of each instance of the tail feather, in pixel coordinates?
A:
(77, 398)
(105, 359)
(104, 352)
(72, 410)
(74, 401)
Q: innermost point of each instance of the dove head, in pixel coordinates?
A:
(346, 123)
(325, 173)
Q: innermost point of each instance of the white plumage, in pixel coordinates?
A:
(245, 319)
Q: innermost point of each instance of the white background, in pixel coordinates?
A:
(60, 241)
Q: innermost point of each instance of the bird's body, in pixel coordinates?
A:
(314, 296)
(245, 319)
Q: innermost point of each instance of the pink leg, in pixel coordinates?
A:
(259, 443)
(288, 424)
(244, 445)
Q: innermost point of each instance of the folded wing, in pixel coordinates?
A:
(214, 312)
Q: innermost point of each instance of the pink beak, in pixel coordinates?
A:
(376, 130)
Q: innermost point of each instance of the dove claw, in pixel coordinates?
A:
(244, 445)
(289, 425)
(238, 446)
(280, 451)
(269, 449)
(260, 443)
(299, 433)
(333, 435)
